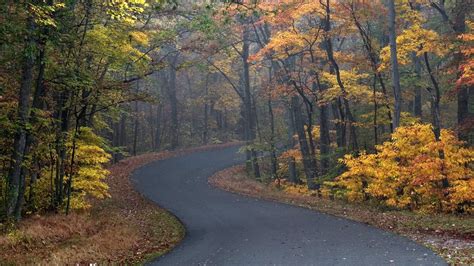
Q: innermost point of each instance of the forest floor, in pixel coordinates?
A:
(123, 229)
(450, 236)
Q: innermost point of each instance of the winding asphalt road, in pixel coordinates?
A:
(227, 229)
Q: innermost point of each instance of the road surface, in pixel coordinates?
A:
(228, 229)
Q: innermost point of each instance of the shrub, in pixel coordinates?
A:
(413, 171)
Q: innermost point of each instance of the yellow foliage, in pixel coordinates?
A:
(414, 39)
(125, 10)
(352, 81)
(89, 173)
(139, 37)
(294, 189)
(88, 179)
(467, 49)
(118, 46)
(408, 172)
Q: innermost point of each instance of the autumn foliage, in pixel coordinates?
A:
(408, 172)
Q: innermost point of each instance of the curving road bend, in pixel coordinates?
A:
(227, 229)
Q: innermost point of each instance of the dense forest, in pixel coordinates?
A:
(351, 99)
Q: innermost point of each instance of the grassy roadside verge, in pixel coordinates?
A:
(124, 229)
(450, 236)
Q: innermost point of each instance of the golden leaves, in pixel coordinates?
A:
(356, 90)
(408, 172)
(414, 40)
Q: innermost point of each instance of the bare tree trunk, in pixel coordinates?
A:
(375, 125)
(36, 105)
(158, 134)
(436, 97)
(324, 137)
(338, 115)
(394, 62)
(417, 105)
(273, 156)
(63, 116)
(292, 174)
(14, 176)
(249, 115)
(330, 54)
(309, 162)
(464, 116)
(436, 114)
(458, 25)
(171, 89)
(151, 121)
(123, 130)
(135, 131)
(373, 57)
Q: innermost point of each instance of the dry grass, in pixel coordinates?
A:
(124, 229)
(451, 236)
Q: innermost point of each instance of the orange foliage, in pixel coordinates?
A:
(408, 172)
(467, 49)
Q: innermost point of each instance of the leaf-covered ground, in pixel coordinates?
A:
(124, 229)
(451, 236)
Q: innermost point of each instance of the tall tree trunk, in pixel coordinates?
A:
(464, 91)
(14, 176)
(458, 25)
(376, 124)
(436, 114)
(417, 105)
(37, 104)
(394, 62)
(292, 174)
(330, 54)
(171, 89)
(63, 117)
(273, 156)
(374, 63)
(158, 134)
(338, 115)
(151, 121)
(135, 130)
(248, 109)
(435, 99)
(309, 162)
(324, 138)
